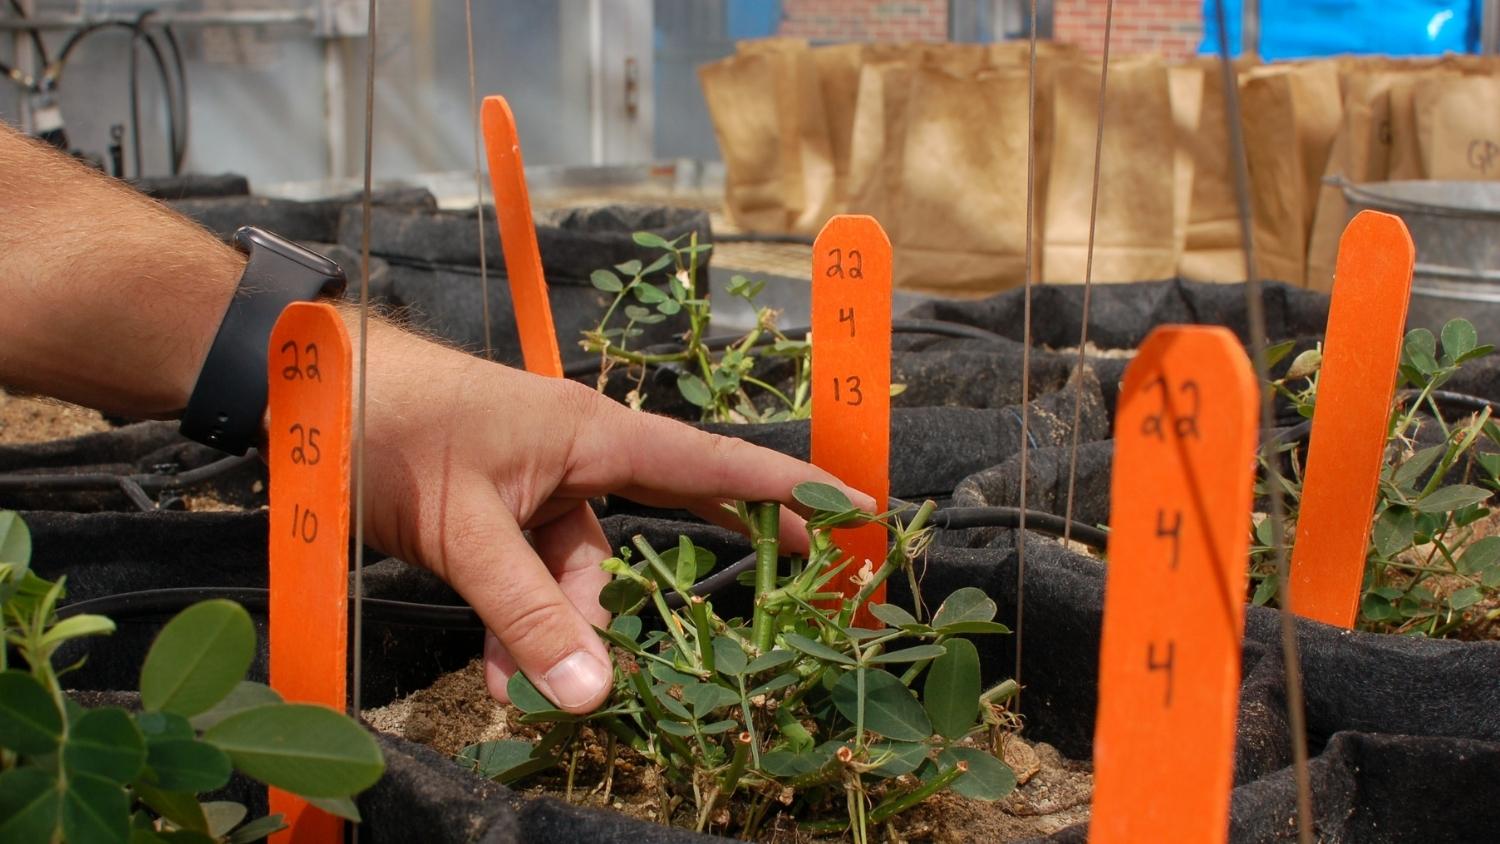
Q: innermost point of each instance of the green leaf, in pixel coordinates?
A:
(1393, 531)
(892, 615)
(628, 626)
(497, 759)
(1414, 467)
(890, 708)
(965, 604)
(694, 390)
(28, 806)
(705, 698)
(223, 816)
(718, 727)
(769, 660)
(817, 650)
(636, 313)
(1451, 498)
(951, 691)
(987, 778)
(651, 240)
(900, 757)
(775, 684)
(1305, 365)
(15, 553)
(822, 497)
(77, 627)
(621, 595)
(786, 764)
(649, 294)
(1277, 351)
(705, 559)
(606, 281)
(307, 750)
(1491, 576)
(179, 807)
(1420, 350)
(658, 265)
(1264, 591)
(29, 720)
(246, 694)
(1376, 608)
(342, 807)
(1465, 598)
(676, 728)
(686, 564)
(525, 696)
(916, 653)
(729, 657)
(256, 830)
(95, 810)
(630, 268)
(1459, 338)
(669, 307)
(106, 744)
(198, 658)
(975, 627)
(1479, 555)
(187, 765)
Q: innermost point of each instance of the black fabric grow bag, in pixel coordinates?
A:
(313, 220)
(434, 266)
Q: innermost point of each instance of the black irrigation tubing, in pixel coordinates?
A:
(759, 237)
(152, 602)
(135, 486)
(936, 327)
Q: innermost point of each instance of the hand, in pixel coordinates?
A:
(465, 455)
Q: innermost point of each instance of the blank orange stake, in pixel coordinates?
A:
(523, 259)
(308, 449)
(1361, 351)
(1174, 601)
(851, 376)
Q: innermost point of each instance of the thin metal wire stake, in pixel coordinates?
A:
(359, 402)
(484, 272)
(1088, 272)
(1255, 311)
(1026, 351)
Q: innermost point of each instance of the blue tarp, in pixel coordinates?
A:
(1294, 29)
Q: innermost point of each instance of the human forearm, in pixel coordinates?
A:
(107, 298)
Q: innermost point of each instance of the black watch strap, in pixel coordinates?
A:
(229, 399)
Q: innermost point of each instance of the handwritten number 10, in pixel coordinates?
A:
(304, 524)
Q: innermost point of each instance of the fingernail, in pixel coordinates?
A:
(578, 680)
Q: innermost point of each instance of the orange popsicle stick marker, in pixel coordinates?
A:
(308, 447)
(1361, 350)
(851, 376)
(1174, 602)
(523, 259)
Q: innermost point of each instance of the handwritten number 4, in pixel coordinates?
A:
(847, 315)
(295, 369)
(1164, 665)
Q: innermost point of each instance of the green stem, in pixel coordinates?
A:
(894, 560)
(699, 610)
(893, 806)
(765, 529)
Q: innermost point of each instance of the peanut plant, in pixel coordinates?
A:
(71, 774)
(796, 709)
(722, 384)
(1426, 568)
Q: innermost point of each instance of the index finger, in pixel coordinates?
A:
(662, 462)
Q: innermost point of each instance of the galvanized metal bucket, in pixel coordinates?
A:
(1456, 228)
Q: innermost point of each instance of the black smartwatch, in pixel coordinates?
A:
(229, 399)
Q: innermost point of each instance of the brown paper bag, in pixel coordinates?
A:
(961, 221)
(1458, 127)
(1211, 249)
(739, 91)
(876, 149)
(1135, 236)
(1360, 153)
(1290, 116)
(1406, 150)
(838, 74)
(1186, 83)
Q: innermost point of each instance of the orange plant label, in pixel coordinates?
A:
(1174, 603)
(851, 376)
(523, 259)
(1361, 351)
(308, 449)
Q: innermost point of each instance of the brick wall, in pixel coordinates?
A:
(1171, 28)
(865, 20)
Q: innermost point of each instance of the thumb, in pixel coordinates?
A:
(490, 563)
